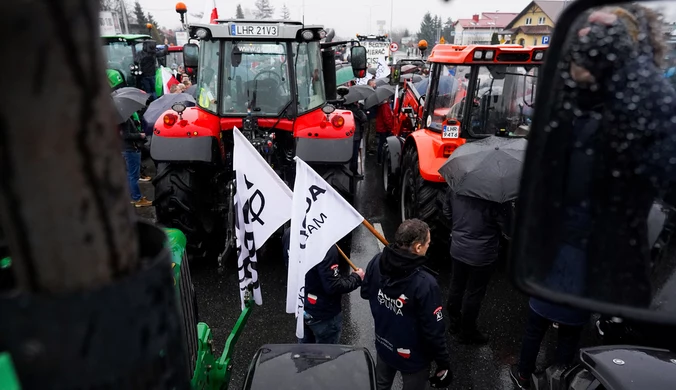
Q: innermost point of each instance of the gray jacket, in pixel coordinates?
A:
(476, 227)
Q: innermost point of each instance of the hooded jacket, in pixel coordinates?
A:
(406, 305)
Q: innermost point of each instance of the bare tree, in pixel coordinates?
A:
(69, 227)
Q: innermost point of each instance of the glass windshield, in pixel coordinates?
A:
(503, 100)
(119, 56)
(450, 95)
(309, 74)
(256, 76)
(207, 77)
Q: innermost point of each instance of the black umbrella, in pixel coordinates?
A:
(488, 169)
(357, 93)
(382, 81)
(127, 101)
(381, 94)
(159, 106)
(192, 90)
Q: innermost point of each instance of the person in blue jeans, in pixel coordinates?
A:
(132, 140)
(324, 287)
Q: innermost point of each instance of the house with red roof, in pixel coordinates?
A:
(480, 28)
(534, 25)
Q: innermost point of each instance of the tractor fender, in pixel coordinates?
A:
(325, 151)
(195, 136)
(318, 140)
(395, 146)
(430, 147)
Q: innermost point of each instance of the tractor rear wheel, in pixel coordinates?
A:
(183, 200)
(389, 178)
(424, 200)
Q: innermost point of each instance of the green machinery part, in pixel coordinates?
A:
(115, 79)
(210, 373)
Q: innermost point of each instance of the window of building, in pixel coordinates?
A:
(541, 20)
(529, 21)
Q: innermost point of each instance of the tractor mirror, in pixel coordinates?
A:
(342, 91)
(358, 60)
(191, 54)
(596, 206)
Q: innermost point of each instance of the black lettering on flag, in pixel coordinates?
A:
(315, 192)
(248, 208)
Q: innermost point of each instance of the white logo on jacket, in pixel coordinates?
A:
(391, 303)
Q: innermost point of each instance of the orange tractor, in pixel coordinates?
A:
(432, 119)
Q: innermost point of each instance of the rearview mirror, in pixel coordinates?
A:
(191, 54)
(358, 60)
(596, 213)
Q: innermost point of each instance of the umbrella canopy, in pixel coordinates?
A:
(344, 75)
(358, 92)
(127, 102)
(381, 94)
(488, 169)
(192, 90)
(382, 81)
(164, 103)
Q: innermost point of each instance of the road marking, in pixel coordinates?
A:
(379, 229)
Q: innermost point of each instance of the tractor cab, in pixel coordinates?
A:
(472, 92)
(121, 54)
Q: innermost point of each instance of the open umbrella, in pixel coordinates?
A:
(127, 102)
(358, 92)
(192, 90)
(382, 81)
(159, 106)
(381, 94)
(488, 169)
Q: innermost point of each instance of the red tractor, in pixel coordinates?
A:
(432, 120)
(275, 81)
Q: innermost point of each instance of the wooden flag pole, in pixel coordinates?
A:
(354, 267)
(375, 232)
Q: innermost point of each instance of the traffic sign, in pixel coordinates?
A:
(394, 46)
(545, 40)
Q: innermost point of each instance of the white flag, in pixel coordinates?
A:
(262, 203)
(320, 218)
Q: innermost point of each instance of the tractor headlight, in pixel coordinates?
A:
(307, 35)
(202, 33)
(539, 55)
(478, 54)
(489, 55)
(322, 34)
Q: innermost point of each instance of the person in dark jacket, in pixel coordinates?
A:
(147, 60)
(132, 140)
(324, 287)
(361, 121)
(477, 226)
(406, 304)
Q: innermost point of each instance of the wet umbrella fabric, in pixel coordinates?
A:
(488, 169)
(164, 103)
(382, 81)
(127, 101)
(380, 95)
(192, 90)
(357, 93)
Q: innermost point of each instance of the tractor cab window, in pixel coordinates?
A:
(450, 94)
(310, 83)
(207, 77)
(503, 100)
(119, 56)
(256, 78)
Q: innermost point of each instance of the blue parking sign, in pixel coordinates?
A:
(545, 40)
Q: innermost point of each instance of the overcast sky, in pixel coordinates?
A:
(348, 17)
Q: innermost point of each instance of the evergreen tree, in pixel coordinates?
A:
(447, 31)
(240, 12)
(286, 15)
(427, 29)
(495, 40)
(264, 10)
(155, 32)
(140, 16)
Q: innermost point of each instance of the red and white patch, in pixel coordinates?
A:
(405, 353)
(335, 270)
(312, 299)
(439, 313)
(334, 266)
(402, 298)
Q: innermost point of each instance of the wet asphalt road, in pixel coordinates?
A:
(502, 316)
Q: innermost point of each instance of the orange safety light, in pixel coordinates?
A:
(170, 119)
(338, 121)
(181, 8)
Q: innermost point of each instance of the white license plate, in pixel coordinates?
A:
(451, 132)
(252, 30)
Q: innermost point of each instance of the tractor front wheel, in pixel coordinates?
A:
(423, 200)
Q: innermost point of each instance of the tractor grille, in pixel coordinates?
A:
(188, 313)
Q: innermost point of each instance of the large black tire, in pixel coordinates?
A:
(389, 178)
(423, 200)
(184, 200)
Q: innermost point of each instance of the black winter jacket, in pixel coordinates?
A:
(476, 227)
(131, 137)
(406, 305)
